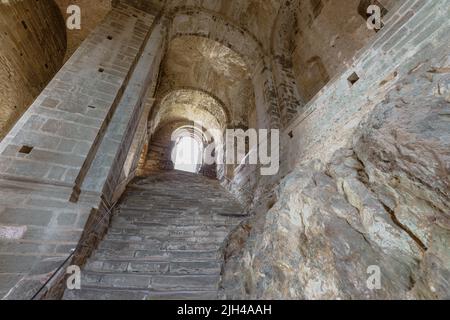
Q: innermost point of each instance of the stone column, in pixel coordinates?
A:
(267, 109)
(289, 96)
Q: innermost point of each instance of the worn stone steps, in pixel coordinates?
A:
(140, 233)
(117, 294)
(163, 242)
(157, 282)
(160, 244)
(157, 255)
(155, 267)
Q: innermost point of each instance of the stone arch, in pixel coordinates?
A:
(163, 95)
(207, 65)
(193, 21)
(180, 104)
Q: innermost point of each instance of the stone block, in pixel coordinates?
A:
(29, 217)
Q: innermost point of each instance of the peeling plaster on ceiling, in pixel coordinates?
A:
(197, 62)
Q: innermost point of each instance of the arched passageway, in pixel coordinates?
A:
(88, 174)
(187, 154)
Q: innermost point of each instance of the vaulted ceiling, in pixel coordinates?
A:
(255, 16)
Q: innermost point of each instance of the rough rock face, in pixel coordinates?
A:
(384, 201)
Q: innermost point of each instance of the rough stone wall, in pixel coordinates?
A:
(379, 193)
(328, 121)
(382, 201)
(33, 44)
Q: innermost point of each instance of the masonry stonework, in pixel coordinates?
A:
(87, 170)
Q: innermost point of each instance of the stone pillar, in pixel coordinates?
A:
(267, 109)
(290, 99)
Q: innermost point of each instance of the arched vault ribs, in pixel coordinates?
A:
(210, 67)
(191, 105)
(285, 28)
(185, 112)
(192, 21)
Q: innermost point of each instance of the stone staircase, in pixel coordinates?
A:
(164, 241)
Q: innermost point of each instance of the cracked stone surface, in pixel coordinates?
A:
(382, 201)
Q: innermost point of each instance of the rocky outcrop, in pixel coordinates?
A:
(382, 204)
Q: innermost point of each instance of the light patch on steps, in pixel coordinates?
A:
(12, 232)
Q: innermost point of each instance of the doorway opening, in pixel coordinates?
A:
(188, 155)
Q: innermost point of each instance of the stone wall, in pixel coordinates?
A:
(328, 121)
(368, 182)
(89, 111)
(329, 33)
(33, 45)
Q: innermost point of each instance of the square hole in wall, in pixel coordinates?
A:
(26, 150)
(353, 79)
(109, 37)
(101, 70)
(291, 134)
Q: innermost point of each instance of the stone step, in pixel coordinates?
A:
(174, 268)
(151, 239)
(175, 221)
(163, 242)
(172, 232)
(105, 294)
(119, 295)
(181, 283)
(148, 281)
(157, 255)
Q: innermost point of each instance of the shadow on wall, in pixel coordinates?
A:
(33, 38)
(328, 36)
